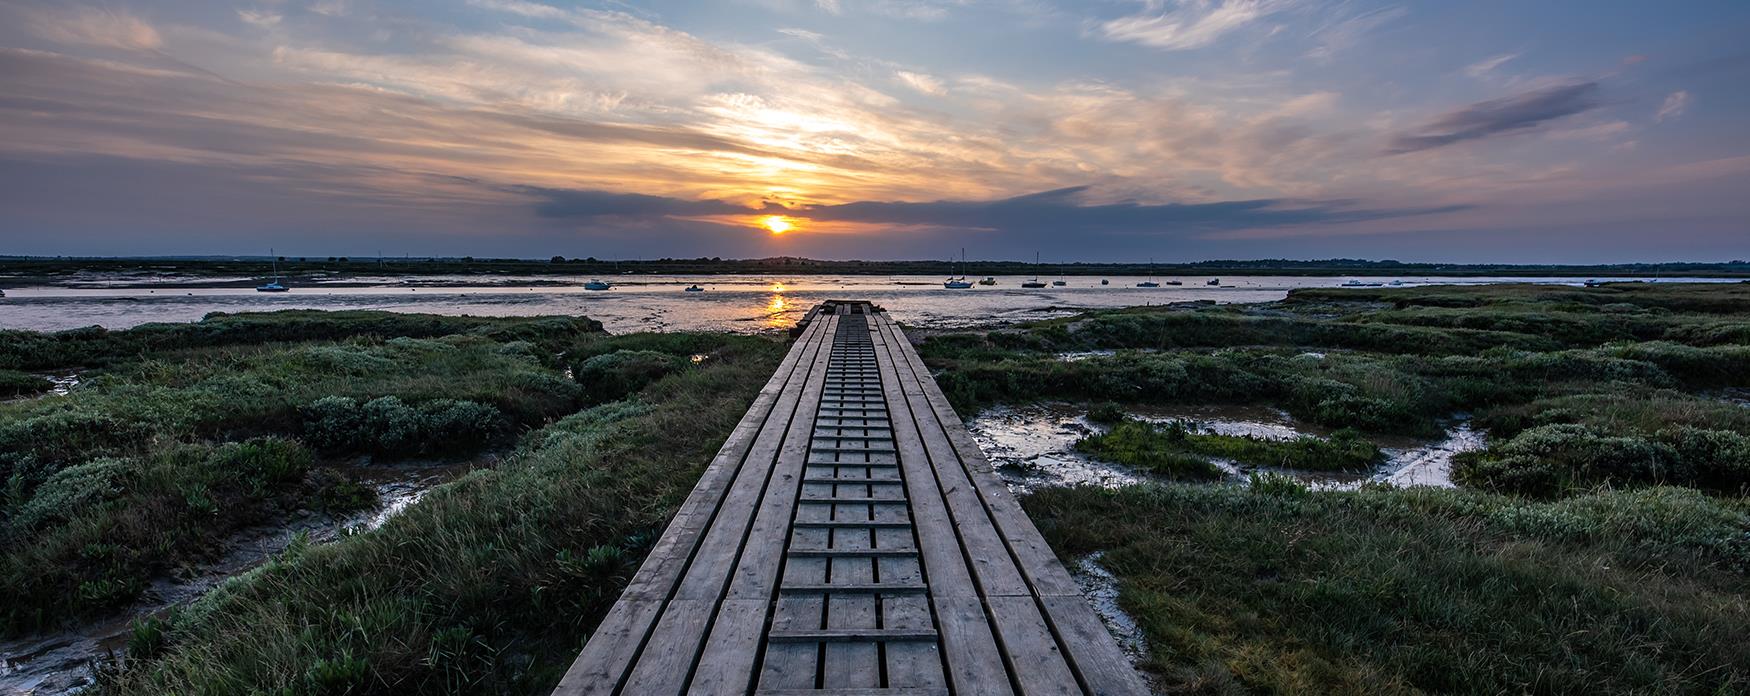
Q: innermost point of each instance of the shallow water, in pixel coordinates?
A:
(738, 303)
(1033, 446)
(62, 662)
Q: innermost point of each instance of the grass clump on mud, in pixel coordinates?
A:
(1276, 589)
(165, 450)
(1179, 450)
(491, 582)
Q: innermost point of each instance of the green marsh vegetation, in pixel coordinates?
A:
(1600, 543)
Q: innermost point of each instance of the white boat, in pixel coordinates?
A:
(1213, 281)
(1150, 283)
(988, 281)
(1358, 284)
(1034, 283)
(596, 284)
(694, 288)
(273, 285)
(958, 282)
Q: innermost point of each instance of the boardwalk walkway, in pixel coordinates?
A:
(851, 539)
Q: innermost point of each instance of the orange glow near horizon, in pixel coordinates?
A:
(778, 224)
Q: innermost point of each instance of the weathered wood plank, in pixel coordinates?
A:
(681, 632)
(607, 658)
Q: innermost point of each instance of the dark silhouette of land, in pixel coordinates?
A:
(241, 270)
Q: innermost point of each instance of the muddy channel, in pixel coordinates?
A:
(64, 662)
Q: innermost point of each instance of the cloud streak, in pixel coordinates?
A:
(1487, 119)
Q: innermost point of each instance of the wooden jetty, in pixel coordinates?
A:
(851, 539)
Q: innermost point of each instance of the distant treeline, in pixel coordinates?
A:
(25, 270)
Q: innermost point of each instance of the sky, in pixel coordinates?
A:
(1577, 131)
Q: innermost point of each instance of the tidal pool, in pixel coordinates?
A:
(1033, 446)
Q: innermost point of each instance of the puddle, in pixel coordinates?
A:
(1034, 447)
(1431, 464)
(64, 384)
(62, 663)
(1100, 588)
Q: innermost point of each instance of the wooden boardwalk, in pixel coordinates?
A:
(851, 539)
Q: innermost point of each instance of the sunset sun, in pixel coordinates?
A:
(778, 224)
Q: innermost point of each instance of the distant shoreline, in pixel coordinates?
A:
(336, 271)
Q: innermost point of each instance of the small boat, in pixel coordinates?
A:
(1148, 284)
(958, 282)
(273, 285)
(596, 284)
(694, 288)
(2, 293)
(1213, 281)
(1358, 284)
(1103, 281)
(1059, 283)
(1395, 283)
(1034, 283)
(988, 281)
(1175, 282)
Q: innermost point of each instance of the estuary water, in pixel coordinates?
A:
(735, 303)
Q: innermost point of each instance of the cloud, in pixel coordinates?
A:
(1484, 67)
(830, 6)
(1191, 24)
(91, 26)
(1342, 34)
(1066, 211)
(921, 82)
(1675, 104)
(1486, 119)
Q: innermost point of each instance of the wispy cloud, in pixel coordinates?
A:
(1675, 104)
(1517, 113)
(1487, 66)
(1189, 24)
(1346, 32)
(921, 82)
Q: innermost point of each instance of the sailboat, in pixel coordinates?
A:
(958, 282)
(1150, 283)
(275, 285)
(1034, 283)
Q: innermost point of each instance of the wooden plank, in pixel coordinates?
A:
(852, 692)
(851, 635)
(609, 655)
(681, 632)
(1104, 668)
